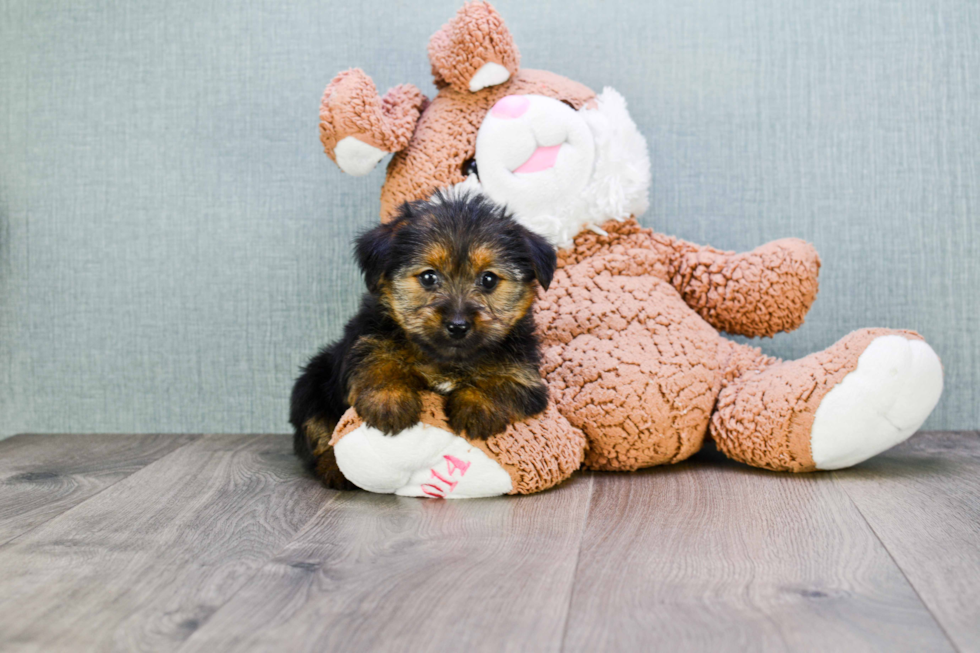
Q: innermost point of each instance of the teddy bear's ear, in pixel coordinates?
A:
(474, 50)
(357, 128)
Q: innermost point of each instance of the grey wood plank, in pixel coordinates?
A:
(384, 573)
(141, 565)
(711, 555)
(42, 476)
(923, 501)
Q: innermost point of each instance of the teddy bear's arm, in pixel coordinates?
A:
(757, 293)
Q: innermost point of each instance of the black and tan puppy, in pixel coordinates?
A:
(448, 309)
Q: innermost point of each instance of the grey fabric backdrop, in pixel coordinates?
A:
(173, 242)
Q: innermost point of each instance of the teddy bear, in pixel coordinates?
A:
(637, 369)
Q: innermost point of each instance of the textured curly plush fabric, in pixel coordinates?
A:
(351, 107)
(474, 37)
(538, 453)
(629, 362)
(757, 293)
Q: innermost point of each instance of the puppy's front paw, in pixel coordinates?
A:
(390, 410)
(472, 412)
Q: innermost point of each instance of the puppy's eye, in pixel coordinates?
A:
(428, 279)
(469, 168)
(569, 104)
(488, 280)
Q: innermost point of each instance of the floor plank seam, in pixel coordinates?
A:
(578, 558)
(932, 613)
(4, 545)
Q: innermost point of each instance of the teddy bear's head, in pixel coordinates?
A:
(559, 156)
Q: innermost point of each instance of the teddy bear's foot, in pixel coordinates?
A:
(429, 460)
(880, 404)
(835, 408)
(420, 461)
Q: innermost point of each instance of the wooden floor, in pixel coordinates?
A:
(221, 543)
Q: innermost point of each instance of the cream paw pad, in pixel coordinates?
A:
(881, 403)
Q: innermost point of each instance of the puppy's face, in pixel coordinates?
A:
(456, 274)
(458, 294)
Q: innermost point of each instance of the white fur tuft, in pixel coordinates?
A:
(621, 182)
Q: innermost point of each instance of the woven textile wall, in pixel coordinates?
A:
(174, 244)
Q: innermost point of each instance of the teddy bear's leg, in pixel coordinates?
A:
(631, 366)
(428, 459)
(836, 408)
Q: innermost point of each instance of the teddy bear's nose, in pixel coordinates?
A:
(510, 107)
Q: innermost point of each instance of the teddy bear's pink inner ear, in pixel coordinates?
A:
(358, 128)
(474, 50)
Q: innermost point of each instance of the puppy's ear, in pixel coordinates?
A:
(373, 249)
(543, 257)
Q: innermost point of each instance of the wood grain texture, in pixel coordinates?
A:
(923, 501)
(42, 476)
(225, 544)
(141, 565)
(384, 573)
(714, 556)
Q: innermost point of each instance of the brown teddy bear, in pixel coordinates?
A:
(630, 326)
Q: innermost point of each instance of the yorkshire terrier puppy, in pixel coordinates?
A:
(451, 283)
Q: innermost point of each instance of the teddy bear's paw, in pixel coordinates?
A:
(879, 404)
(421, 461)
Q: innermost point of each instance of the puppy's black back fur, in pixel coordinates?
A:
(320, 393)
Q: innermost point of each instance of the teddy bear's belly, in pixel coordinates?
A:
(629, 363)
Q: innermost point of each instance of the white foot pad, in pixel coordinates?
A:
(880, 404)
(355, 157)
(421, 461)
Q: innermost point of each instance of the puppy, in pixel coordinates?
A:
(451, 283)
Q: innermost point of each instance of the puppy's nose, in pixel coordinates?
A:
(457, 329)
